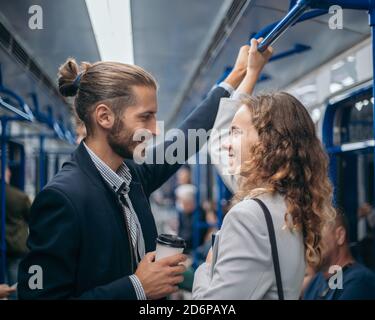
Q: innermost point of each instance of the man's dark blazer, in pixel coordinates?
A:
(77, 229)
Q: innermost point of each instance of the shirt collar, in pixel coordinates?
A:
(119, 180)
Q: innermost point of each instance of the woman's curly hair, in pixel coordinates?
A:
(289, 159)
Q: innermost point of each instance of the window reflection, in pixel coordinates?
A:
(353, 120)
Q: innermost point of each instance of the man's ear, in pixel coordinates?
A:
(104, 116)
(340, 235)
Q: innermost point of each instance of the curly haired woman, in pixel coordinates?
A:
(277, 158)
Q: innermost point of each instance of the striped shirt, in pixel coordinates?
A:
(119, 181)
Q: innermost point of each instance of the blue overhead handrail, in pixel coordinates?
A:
(23, 115)
(297, 13)
(70, 136)
(282, 26)
(306, 16)
(47, 118)
(22, 112)
(66, 133)
(38, 114)
(59, 130)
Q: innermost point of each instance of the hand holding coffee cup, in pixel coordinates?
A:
(168, 245)
(161, 271)
(160, 278)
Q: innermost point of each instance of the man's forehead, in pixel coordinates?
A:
(145, 97)
(144, 92)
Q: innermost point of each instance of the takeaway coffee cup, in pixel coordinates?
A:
(168, 245)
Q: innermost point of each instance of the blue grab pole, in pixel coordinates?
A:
(3, 199)
(304, 17)
(293, 15)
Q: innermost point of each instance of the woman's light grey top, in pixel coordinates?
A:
(242, 267)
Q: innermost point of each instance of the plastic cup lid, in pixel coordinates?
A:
(171, 241)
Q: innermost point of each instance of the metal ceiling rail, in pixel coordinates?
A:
(298, 13)
(22, 112)
(291, 18)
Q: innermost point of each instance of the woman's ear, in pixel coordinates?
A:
(104, 116)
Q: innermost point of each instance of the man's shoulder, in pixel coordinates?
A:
(70, 180)
(358, 283)
(68, 189)
(360, 274)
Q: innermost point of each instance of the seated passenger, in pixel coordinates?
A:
(277, 158)
(17, 208)
(356, 282)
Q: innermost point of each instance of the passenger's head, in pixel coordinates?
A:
(8, 175)
(114, 100)
(184, 175)
(274, 145)
(185, 197)
(335, 238)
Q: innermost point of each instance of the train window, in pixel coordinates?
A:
(353, 120)
(343, 74)
(355, 176)
(307, 93)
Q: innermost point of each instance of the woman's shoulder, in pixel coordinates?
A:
(249, 210)
(244, 211)
(246, 220)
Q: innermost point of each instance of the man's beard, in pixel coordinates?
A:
(120, 139)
